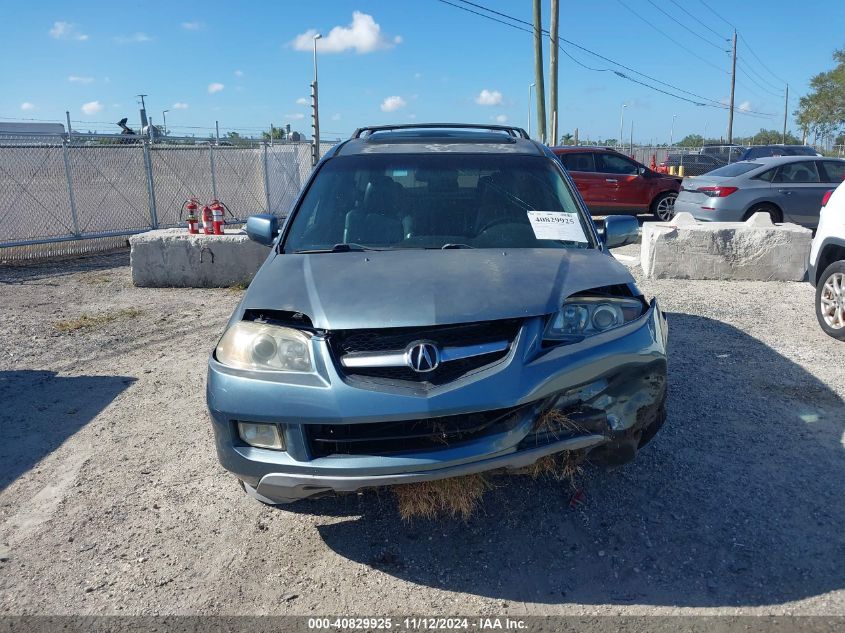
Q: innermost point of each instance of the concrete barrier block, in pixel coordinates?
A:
(753, 250)
(174, 258)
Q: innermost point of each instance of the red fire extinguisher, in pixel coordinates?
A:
(192, 206)
(207, 221)
(217, 215)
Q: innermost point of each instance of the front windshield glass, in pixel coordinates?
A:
(395, 201)
(735, 169)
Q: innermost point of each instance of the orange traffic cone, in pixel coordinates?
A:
(653, 164)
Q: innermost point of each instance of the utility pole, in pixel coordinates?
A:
(622, 125)
(144, 121)
(315, 111)
(530, 86)
(553, 50)
(733, 85)
(785, 110)
(538, 72)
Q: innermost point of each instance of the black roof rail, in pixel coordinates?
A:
(510, 129)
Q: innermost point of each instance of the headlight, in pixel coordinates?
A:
(585, 316)
(251, 345)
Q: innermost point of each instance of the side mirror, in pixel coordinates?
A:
(620, 230)
(262, 228)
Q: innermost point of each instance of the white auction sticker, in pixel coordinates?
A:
(556, 225)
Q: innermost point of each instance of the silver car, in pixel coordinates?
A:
(438, 303)
(788, 188)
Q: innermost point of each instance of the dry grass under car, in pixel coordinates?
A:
(88, 322)
(461, 496)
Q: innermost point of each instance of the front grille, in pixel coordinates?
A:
(397, 339)
(385, 438)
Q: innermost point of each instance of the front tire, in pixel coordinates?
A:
(830, 300)
(663, 206)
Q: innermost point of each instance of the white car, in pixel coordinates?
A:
(827, 264)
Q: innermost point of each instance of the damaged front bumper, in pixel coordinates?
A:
(608, 390)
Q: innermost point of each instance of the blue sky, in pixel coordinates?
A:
(401, 61)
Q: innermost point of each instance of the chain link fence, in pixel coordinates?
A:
(55, 189)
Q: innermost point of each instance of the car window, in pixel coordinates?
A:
(612, 164)
(398, 201)
(735, 169)
(768, 175)
(579, 162)
(804, 171)
(834, 170)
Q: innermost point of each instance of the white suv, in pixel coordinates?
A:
(827, 264)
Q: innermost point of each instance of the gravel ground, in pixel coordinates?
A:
(112, 501)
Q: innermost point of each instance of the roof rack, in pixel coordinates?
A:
(511, 130)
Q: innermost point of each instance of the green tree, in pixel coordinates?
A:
(822, 110)
(692, 140)
(277, 132)
(769, 137)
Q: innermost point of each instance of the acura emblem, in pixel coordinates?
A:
(422, 356)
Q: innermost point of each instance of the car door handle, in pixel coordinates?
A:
(610, 180)
(786, 192)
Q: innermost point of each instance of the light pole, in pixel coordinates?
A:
(622, 124)
(530, 87)
(315, 109)
(672, 132)
(164, 120)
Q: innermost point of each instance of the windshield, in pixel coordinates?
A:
(395, 201)
(735, 169)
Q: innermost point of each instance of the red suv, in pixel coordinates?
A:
(611, 182)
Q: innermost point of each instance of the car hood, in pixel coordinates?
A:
(405, 288)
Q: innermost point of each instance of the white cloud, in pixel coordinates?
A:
(302, 101)
(295, 115)
(363, 35)
(215, 87)
(489, 97)
(336, 116)
(180, 105)
(76, 79)
(135, 38)
(66, 31)
(92, 107)
(744, 106)
(501, 118)
(391, 104)
(26, 106)
(239, 73)
(192, 26)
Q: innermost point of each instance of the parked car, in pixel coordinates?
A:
(788, 188)
(611, 182)
(724, 153)
(764, 151)
(693, 164)
(827, 264)
(435, 292)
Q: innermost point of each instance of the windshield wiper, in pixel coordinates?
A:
(450, 245)
(338, 248)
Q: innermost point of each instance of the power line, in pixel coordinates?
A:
(713, 103)
(760, 77)
(758, 84)
(672, 39)
(698, 35)
(702, 23)
(751, 50)
(716, 14)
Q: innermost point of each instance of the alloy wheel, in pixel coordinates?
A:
(832, 301)
(666, 208)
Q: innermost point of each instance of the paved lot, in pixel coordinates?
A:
(111, 499)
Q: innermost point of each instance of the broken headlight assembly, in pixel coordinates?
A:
(580, 317)
(265, 347)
